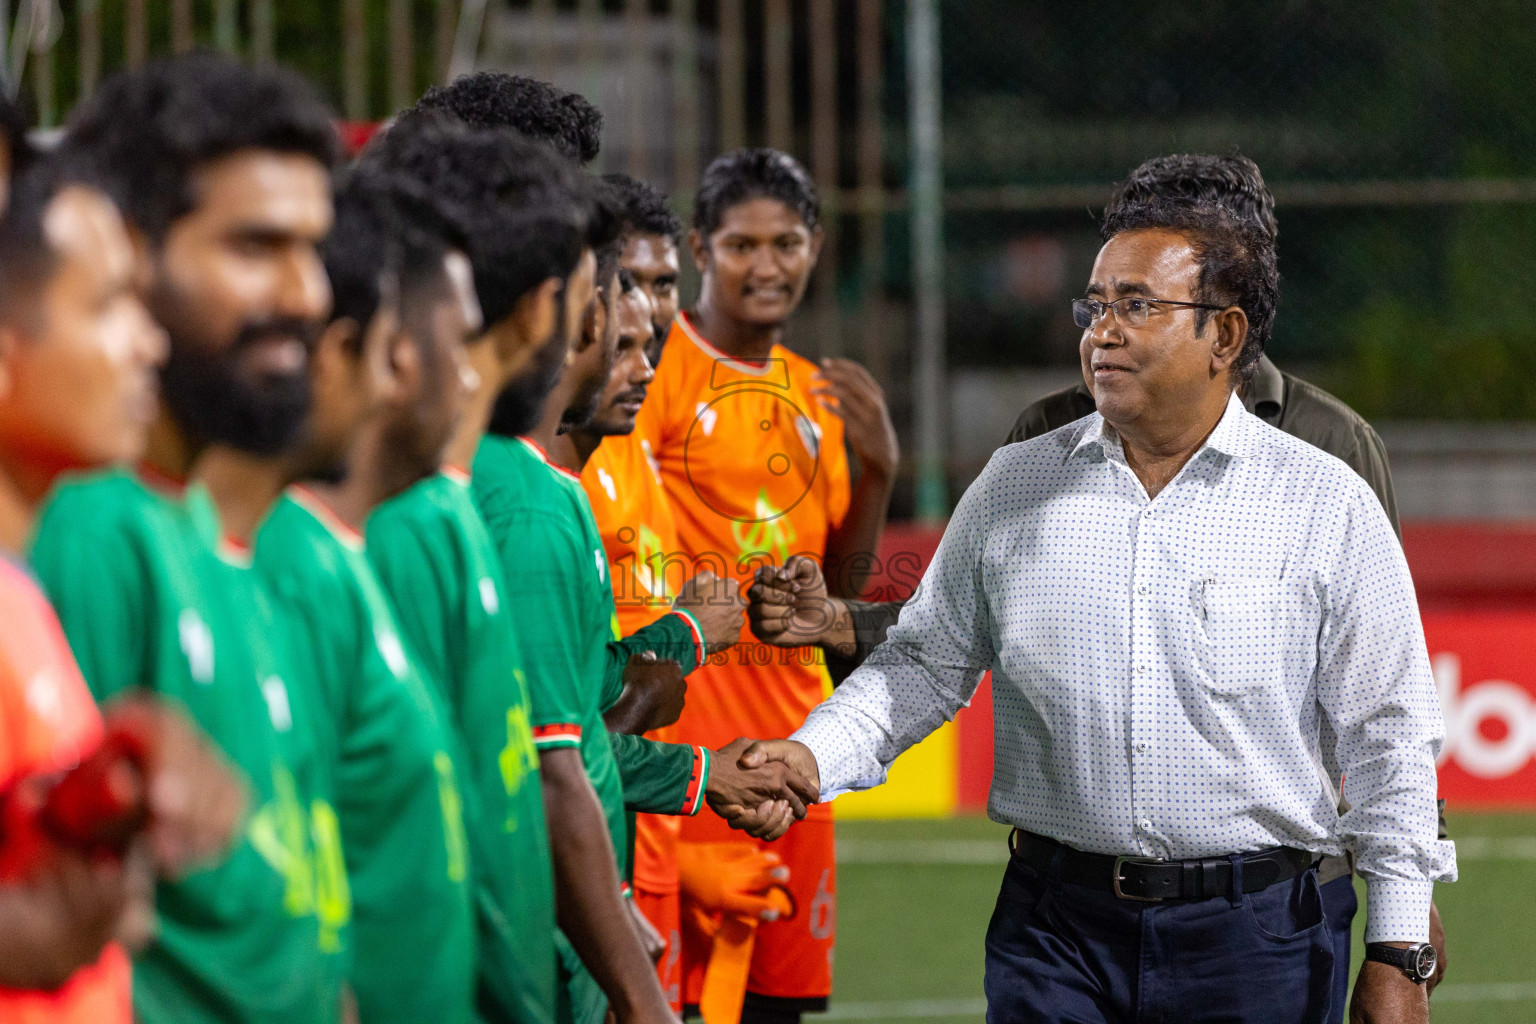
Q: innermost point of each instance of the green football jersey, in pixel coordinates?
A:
(560, 598)
(436, 561)
(148, 602)
(397, 790)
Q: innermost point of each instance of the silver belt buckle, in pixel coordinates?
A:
(1118, 878)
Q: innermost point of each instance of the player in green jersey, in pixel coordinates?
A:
(548, 540)
(526, 214)
(78, 358)
(225, 172)
(396, 281)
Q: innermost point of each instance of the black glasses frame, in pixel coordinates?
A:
(1084, 316)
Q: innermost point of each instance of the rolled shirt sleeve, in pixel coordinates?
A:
(922, 675)
(1375, 685)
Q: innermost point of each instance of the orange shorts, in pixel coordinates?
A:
(792, 958)
(664, 911)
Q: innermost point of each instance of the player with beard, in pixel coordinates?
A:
(225, 171)
(652, 235)
(396, 280)
(528, 218)
(78, 353)
(638, 537)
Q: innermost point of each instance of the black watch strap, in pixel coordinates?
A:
(1417, 962)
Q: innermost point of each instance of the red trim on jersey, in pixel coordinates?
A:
(561, 733)
(235, 549)
(316, 506)
(701, 652)
(544, 456)
(744, 365)
(693, 797)
(458, 474)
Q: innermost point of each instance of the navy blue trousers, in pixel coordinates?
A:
(1058, 952)
(1339, 906)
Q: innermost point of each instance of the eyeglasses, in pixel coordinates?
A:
(1130, 310)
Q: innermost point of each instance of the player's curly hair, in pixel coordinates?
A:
(493, 99)
(1238, 266)
(1231, 181)
(151, 129)
(646, 211)
(529, 212)
(387, 225)
(745, 174)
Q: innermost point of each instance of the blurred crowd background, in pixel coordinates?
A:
(1398, 137)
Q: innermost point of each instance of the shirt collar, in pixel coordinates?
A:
(1236, 434)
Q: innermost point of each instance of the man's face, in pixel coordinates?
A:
(239, 286)
(521, 401)
(447, 380)
(79, 387)
(632, 373)
(652, 261)
(757, 263)
(1162, 366)
(590, 368)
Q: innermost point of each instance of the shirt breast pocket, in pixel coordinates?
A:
(1251, 631)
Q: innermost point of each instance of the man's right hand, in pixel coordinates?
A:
(763, 799)
(770, 819)
(717, 605)
(790, 607)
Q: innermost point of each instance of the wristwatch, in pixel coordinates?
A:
(1417, 962)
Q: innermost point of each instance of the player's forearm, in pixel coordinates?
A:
(588, 905)
(851, 549)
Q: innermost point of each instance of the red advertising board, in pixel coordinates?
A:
(1486, 675)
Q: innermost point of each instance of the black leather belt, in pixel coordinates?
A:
(1152, 881)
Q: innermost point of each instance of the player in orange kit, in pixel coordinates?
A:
(749, 438)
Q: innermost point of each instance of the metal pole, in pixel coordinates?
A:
(686, 83)
(90, 47)
(733, 76)
(354, 60)
(402, 56)
(466, 39)
(262, 19)
(871, 195)
(226, 30)
(442, 39)
(181, 25)
(642, 115)
(777, 58)
(824, 169)
(926, 133)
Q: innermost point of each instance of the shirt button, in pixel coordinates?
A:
(1143, 589)
(1141, 748)
(1144, 825)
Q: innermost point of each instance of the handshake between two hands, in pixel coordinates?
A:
(763, 786)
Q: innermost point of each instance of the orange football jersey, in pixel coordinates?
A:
(623, 485)
(755, 471)
(47, 721)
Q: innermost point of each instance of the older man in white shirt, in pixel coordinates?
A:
(1199, 628)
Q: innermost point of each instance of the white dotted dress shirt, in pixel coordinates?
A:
(1185, 676)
